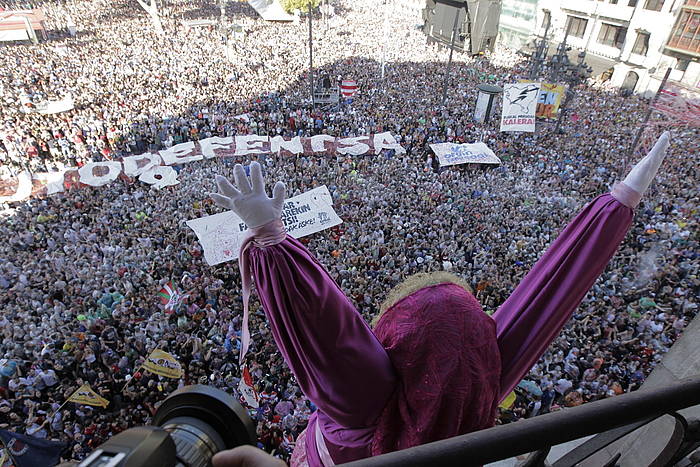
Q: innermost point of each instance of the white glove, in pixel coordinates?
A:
(643, 173)
(250, 203)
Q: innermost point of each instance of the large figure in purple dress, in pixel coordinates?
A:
(435, 365)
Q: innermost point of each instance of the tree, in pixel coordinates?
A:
(152, 10)
(303, 5)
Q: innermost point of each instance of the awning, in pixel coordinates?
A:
(14, 19)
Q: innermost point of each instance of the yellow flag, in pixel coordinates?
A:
(508, 401)
(164, 364)
(85, 395)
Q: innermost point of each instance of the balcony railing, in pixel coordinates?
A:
(610, 418)
(691, 45)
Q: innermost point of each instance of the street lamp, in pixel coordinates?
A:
(572, 74)
(540, 53)
(560, 68)
(311, 58)
(455, 33)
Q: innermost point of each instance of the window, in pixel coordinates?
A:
(680, 24)
(546, 20)
(653, 5)
(613, 2)
(576, 26)
(630, 81)
(632, 3)
(641, 45)
(686, 32)
(612, 35)
(682, 65)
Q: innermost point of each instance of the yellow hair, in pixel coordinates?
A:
(413, 284)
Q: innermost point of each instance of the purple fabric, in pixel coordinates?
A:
(339, 363)
(312, 457)
(345, 444)
(444, 349)
(537, 310)
(299, 456)
(427, 390)
(265, 235)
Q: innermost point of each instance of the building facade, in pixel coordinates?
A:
(518, 22)
(629, 43)
(476, 22)
(684, 44)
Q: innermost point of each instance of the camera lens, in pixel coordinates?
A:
(195, 441)
(202, 421)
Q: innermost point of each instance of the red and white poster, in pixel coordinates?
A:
(348, 88)
(247, 389)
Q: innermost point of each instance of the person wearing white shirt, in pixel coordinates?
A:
(48, 377)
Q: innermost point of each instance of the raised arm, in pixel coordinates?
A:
(539, 307)
(339, 364)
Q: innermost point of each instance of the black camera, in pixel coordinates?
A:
(190, 426)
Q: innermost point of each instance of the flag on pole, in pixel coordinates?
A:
(86, 395)
(247, 390)
(348, 87)
(170, 296)
(163, 364)
(28, 451)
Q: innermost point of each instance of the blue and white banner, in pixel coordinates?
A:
(453, 154)
(28, 451)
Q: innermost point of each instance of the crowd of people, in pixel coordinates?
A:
(82, 269)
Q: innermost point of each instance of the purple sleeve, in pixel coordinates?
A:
(339, 363)
(539, 307)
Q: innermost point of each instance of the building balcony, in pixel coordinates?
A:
(617, 12)
(620, 12)
(688, 45)
(581, 6)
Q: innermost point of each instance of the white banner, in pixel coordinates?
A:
(270, 10)
(148, 167)
(519, 106)
(221, 235)
(54, 107)
(453, 154)
(248, 394)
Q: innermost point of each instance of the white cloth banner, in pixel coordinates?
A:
(248, 394)
(519, 106)
(270, 10)
(160, 176)
(146, 165)
(453, 154)
(221, 235)
(24, 188)
(54, 107)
